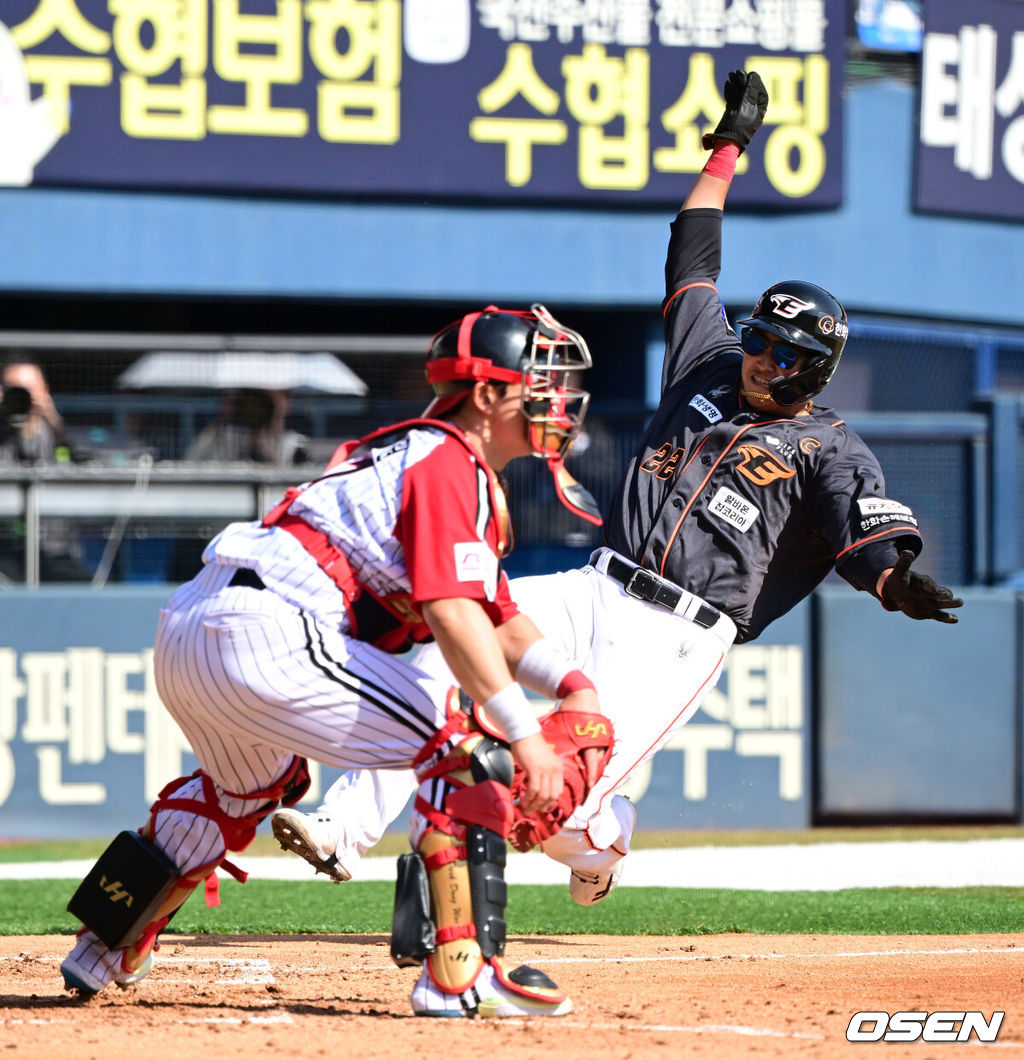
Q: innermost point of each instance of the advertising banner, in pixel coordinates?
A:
(500, 100)
(970, 151)
(86, 744)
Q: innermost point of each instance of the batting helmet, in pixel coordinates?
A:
(813, 320)
(512, 346)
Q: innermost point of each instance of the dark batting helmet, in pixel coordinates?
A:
(513, 346)
(810, 318)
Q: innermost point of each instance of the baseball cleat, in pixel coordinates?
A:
(312, 837)
(91, 966)
(590, 886)
(496, 994)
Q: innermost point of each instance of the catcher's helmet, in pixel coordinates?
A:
(512, 346)
(810, 318)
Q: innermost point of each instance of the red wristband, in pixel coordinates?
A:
(722, 163)
(574, 681)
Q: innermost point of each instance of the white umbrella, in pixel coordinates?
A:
(295, 372)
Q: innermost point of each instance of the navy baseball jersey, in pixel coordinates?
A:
(745, 509)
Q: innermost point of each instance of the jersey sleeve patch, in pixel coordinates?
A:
(733, 509)
(475, 562)
(879, 511)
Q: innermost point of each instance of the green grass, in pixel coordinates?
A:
(318, 907)
(34, 907)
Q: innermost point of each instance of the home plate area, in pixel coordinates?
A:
(718, 996)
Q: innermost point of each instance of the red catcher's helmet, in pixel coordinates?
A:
(513, 346)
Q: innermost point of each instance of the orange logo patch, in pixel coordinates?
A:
(807, 445)
(762, 467)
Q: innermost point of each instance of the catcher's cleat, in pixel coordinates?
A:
(312, 837)
(91, 966)
(497, 993)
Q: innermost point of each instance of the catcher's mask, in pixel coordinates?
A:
(805, 316)
(513, 346)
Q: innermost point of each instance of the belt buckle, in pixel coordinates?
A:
(650, 580)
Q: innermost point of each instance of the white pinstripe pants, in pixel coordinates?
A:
(252, 681)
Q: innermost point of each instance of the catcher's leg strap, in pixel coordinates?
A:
(135, 888)
(238, 832)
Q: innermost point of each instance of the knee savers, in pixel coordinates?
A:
(450, 896)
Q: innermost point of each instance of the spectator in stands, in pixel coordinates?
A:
(32, 434)
(31, 428)
(251, 427)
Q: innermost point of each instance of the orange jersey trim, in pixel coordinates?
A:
(875, 537)
(688, 287)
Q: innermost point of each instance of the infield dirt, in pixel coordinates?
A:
(263, 997)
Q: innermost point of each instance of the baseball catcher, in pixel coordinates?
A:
(288, 644)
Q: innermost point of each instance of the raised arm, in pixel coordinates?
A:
(746, 101)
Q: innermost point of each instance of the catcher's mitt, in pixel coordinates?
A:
(570, 733)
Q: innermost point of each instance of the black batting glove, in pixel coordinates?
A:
(917, 595)
(746, 100)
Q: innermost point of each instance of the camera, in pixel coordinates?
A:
(15, 405)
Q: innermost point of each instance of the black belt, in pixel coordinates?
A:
(646, 585)
(249, 578)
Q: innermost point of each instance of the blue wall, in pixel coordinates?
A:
(874, 253)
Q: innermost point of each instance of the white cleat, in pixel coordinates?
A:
(313, 836)
(590, 886)
(496, 994)
(90, 966)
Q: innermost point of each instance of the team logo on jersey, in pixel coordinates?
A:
(721, 391)
(706, 408)
(808, 445)
(788, 306)
(762, 467)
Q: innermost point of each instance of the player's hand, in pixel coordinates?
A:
(543, 769)
(916, 595)
(746, 101)
(586, 701)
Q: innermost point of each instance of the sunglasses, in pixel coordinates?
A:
(756, 342)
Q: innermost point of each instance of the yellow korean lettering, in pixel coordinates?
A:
(280, 63)
(518, 77)
(599, 89)
(352, 107)
(695, 112)
(63, 17)
(177, 33)
(794, 155)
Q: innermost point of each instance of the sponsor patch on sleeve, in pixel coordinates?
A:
(877, 512)
(882, 506)
(706, 408)
(475, 562)
(733, 509)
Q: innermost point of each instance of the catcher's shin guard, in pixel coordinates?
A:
(463, 853)
(135, 888)
(124, 890)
